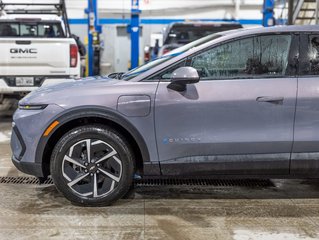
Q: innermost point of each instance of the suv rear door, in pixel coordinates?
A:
(239, 118)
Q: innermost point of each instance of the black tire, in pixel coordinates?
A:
(120, 165)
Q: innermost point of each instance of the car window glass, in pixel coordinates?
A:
(147, 66)
(28, 30)
(9, 30)
(263, 56)
(313, 56)
(48, 30)
(168, 73)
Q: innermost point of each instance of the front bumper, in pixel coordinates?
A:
(34, 169)
(28, 128)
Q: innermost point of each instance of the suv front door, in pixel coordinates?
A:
(239, 118)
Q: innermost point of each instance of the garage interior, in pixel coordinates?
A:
(119, 35)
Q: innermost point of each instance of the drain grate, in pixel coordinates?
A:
(24, 180)
(207, 182)
(161, 182)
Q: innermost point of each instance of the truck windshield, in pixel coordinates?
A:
(136, 71)
(31, 29)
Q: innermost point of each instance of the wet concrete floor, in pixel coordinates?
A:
(288, 210)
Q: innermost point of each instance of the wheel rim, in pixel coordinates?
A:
(92, 168)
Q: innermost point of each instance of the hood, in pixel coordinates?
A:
(55, 93)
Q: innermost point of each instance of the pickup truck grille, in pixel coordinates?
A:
(37, 82)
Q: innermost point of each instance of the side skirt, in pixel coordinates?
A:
(243, 165)
(305, 164)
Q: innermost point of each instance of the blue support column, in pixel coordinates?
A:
(93, 28)
(268, 13)
(134, 29)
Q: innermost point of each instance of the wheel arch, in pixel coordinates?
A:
(91, 114)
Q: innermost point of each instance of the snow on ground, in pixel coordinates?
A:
(5, 136)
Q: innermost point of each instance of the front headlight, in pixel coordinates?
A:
(32, 106)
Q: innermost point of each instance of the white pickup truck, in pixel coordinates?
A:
(36, 49)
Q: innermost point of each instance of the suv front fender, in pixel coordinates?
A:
(99, 112)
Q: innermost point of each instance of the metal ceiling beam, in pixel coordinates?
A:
(290, 12)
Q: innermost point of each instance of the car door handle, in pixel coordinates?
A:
(274, 100)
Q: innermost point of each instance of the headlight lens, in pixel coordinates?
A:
(33, 106)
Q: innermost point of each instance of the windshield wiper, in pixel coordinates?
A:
(116, 75)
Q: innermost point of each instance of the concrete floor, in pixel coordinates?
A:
(290, 210)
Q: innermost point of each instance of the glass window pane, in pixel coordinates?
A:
(28, 30)
(313, 56)
(273, 54)
(251, 57)
(168, 73)
(47, 30)
(9, 29)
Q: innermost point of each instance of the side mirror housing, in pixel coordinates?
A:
(183, 76)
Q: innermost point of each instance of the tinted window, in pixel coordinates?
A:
(263, 56)
(313, 56)
(47, 30)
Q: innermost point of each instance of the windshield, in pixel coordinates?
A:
(31, 29)
(136, 71)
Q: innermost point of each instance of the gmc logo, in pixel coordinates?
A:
(26, 50)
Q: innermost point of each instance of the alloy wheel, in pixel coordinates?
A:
(92, 168)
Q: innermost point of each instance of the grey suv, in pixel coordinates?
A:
(242, 103)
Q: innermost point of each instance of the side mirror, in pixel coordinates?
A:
(183, 76)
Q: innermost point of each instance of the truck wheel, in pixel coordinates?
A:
(6, 104)
(92, 165)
